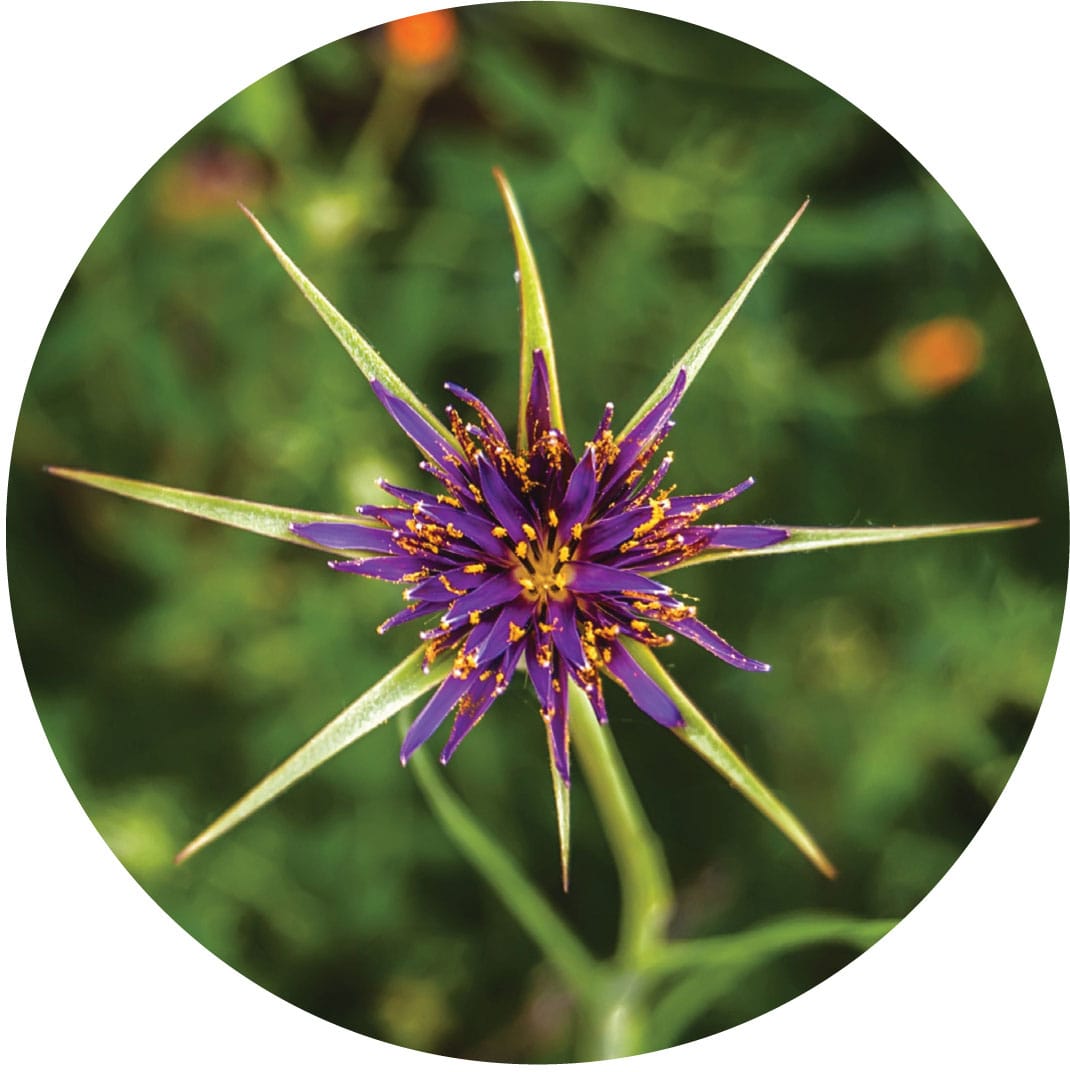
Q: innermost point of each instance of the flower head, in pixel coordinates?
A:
(530, 555)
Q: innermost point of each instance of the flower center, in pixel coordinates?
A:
(543, 572)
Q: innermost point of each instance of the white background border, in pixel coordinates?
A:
(97, 974)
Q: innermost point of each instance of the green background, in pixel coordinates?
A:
(173, 662)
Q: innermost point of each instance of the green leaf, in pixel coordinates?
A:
(807, 539)
(534, 318)
(273, 521)
(363, 353)
(390, 694)
(558, 943)
(700, 349)
(771, 938)
(715, 967)
(699, 735)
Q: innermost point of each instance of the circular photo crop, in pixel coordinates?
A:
(537, 532)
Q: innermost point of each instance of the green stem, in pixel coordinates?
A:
(619, 1023)
(558, 944)
(646, 892)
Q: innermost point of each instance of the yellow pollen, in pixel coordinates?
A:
(563, 554)
(529, 531)
(577, 531)
(499, 532)
(551, 516)
(473, 617)
(475, 567)
(453, 531)
(521, 549)
(657, 516)
(464, 664)
(442, 579)
(418, 575)
(516, 632)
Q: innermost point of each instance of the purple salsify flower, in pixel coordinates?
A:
(532, 555)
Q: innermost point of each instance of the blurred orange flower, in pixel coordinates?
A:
(941, 353)
(422, 40)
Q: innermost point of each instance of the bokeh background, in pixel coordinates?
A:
(880, 373)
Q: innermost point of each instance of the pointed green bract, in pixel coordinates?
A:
(534, 318)
(558, 944)
(405, 683)
(264, 520)
(700, 736)
(700, 349)
(816, 539)
(562, 805)
(363, 353)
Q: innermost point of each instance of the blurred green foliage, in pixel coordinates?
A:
(174, 662)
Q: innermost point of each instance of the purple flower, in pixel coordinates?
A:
(532, 555)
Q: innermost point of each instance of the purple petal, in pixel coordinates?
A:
(501, 500)
(473, 527)
(579, 495)
(641, 440)
(445, 585)
(405, 495)
(592, 578)
(394, 516)
(476, 705)
(561, 618)
(557, 724)
(513, 616)
(647, 695)
(345, 537)
(651, 426)
(685, 503)
(537, 412)
(489, 421)
(706, 638)
(417, 429)
(407, 614)
(741, 537)
(480, 700)
(434, 713)
(540, 671)
(396, 568)
(492, 592)
(608, 533)
(654, 482)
